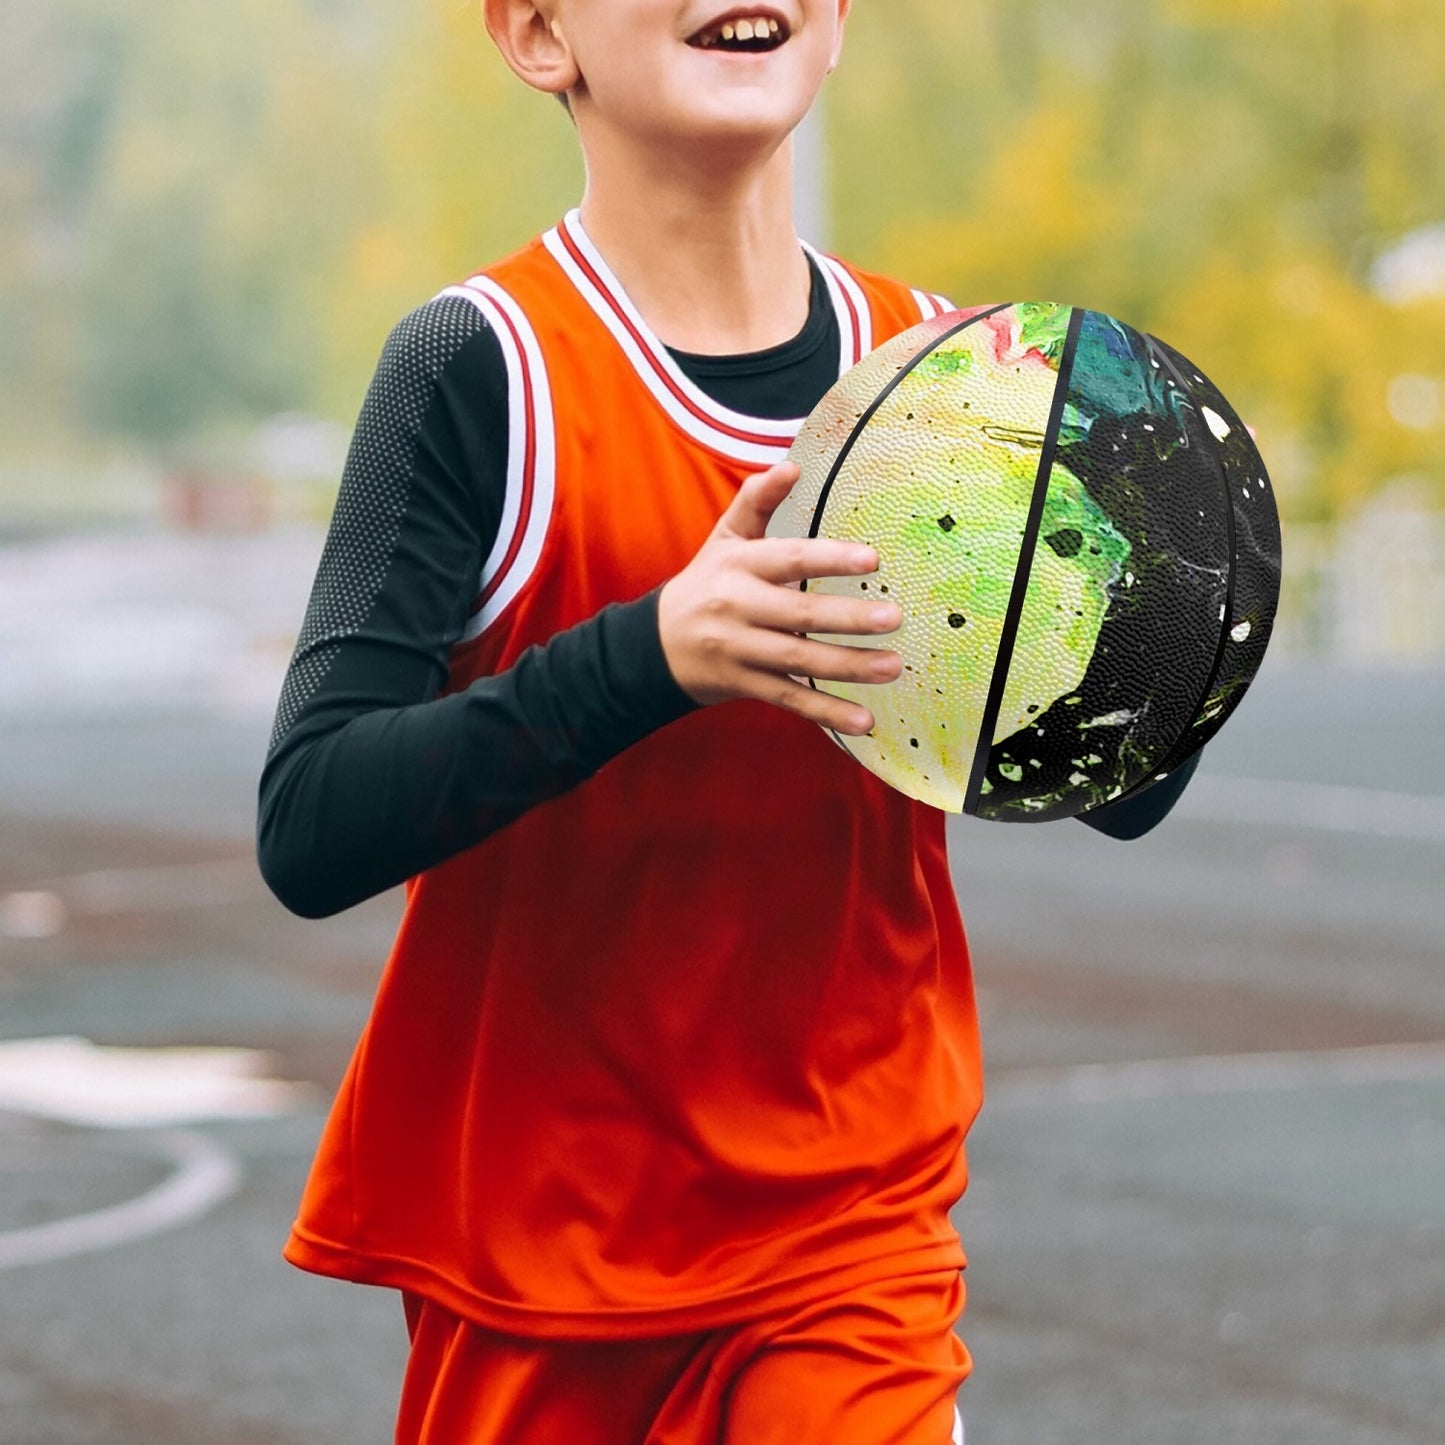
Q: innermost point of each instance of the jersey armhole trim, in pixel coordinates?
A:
(855, 316)
(930, 304)
(735, 435)
(531, 456)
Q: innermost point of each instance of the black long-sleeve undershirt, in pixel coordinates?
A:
(371, 777)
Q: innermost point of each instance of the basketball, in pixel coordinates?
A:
(1083, 540)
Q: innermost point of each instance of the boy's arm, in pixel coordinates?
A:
(370, 777)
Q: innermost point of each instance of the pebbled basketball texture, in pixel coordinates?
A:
(1083, 539)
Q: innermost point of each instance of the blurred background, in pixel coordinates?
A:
(209, 221)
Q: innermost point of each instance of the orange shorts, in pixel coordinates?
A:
(879, 1366)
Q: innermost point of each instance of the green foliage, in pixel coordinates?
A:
(211, 213)
(179, 220)
(1221, 173)
(468, 164)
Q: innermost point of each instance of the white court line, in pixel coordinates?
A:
(1211, 1074)
(1328, 806)
(109, 1086)
(205, 1175)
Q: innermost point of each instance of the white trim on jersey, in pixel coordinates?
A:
(855, 321)
(531, 454)
(957, 1437)
(758, 440)
(930, 304)
(743, 438)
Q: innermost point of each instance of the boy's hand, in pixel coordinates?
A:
(732, 620)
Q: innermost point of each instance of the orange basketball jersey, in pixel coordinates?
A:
(697, 1038)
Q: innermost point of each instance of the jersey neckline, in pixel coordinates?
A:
(795, 350)
(737, 435)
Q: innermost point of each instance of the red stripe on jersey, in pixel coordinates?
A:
(575, 252)
(529, 466)
(857, 352)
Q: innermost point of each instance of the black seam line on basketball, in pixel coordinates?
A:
(857, 429)
(878, 401)
(1180, 749)
(1227, 621)
(1004, 657)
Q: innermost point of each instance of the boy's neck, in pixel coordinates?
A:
(709, 257)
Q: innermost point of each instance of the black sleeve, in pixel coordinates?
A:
(1134, 816)
(370, 777)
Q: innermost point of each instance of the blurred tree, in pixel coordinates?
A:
(59, 82)
(175, 219)
(469, 163)
(214, 222)
(211, 214)
(1220, 172)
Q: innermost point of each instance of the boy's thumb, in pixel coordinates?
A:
(758, 498)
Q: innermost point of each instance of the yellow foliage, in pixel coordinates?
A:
(1307, 356)
(279, 182)
(1234, 13)
(1218, 172)
(1043, 211)
(472, 163)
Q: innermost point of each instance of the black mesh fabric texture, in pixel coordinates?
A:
(375, 491)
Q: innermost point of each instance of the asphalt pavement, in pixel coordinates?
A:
(1208, 1185)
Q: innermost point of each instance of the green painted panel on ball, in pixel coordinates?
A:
(940, 483)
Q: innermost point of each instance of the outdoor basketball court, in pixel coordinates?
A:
(1209, 1181)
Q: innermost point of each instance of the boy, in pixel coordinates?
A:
(659, 1114)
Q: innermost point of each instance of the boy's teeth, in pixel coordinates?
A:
(759, 27)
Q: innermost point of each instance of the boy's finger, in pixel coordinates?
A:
(831, 661)
(787, 609)
(820, 707)
(758, 498)
(791, 559)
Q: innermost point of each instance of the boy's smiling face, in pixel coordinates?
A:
(732, 75)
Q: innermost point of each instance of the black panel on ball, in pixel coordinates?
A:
(1147, 462)
(1257, 560)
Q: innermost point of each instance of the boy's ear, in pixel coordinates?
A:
(843, 7)
(532, 43)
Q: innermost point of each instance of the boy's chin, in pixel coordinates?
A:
(732, 122)
(724, 121)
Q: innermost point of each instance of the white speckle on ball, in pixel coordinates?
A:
(1240, 630)
(1114, 719)
(1217, 423)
